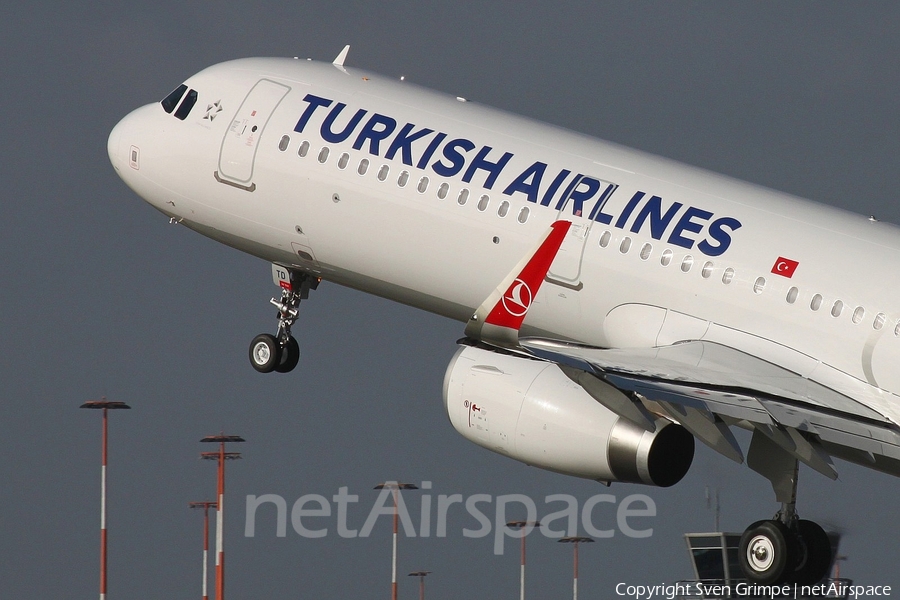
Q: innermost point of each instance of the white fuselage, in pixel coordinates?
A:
(659, 252)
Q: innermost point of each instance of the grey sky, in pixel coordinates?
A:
(100, 296)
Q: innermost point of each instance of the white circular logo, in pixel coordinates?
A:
(517, 299)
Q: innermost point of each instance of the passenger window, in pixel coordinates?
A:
(646, 249)
(666, 258)
(186, 105)
(323, 154)
(759, 285)
(816, 302)
(503, 210)
(879, 322)
(625, 246)
(858, 314)
(171, 101)
(343, 160)
(523, 215)
(687, 263)
(604, 239)
(463, 197)
(403, 179)
(284, 143)
(443, 190)
(383, 172)
(423, 185)
(483, 202)
(303, 150)
(792, 295)
(363, 166)
(837, 308)
(707, 270)
(728, 276)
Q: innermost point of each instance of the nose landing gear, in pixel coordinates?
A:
(281, 352)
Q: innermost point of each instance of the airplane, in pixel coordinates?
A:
(617, 306)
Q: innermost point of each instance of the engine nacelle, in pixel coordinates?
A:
(530, 411)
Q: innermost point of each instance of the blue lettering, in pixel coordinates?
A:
(686, 223)
(579, 190)
(480, 162)
(717, 233)
(629, 208)
(578, 198)
(374, 135)
(548, 195)
(568, 192)
(314, 103)
(597, 213)
(429, 151)
(451, 153)
(528, 183)
(403, 143)
(658, 222)
(335, 138)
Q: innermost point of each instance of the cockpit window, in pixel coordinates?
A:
(171, 101)
(186, 105)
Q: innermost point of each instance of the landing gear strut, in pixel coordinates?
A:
(785, 549)
(281, 352)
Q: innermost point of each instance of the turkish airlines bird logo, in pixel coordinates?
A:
(785, 267)
(517, 298)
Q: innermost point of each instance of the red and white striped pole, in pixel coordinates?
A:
(104, 405)
(394, 560)
(575, 540)
(206, 551)
(205, 506)
(526, 527)
(395, 488)
(103, 537)
(221, 456)
(220, 523)
(421, 575)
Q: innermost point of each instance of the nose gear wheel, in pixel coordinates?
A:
(281, 352)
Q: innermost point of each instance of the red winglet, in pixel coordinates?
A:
(513, 305)
(498, 319)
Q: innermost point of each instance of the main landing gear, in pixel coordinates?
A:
(281, 352)
(786, 549)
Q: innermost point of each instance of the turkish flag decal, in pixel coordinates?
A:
(785, 267)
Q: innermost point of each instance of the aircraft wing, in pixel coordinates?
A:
(706, 387)
(702, 384)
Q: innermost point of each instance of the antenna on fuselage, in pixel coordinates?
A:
(339, 60)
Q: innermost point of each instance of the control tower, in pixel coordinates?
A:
(718, 575)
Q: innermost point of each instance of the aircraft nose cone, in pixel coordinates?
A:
(126, 140)
(112, 146)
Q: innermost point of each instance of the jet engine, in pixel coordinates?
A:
(530, 411)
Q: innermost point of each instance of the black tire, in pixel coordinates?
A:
(265, 353)
(290, 356)
(767, 553)
(814, 555)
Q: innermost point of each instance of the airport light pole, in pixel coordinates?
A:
(526, 526)
(221, 456)
(575, 540)
(395, 488)
(104, 405)
(206, 505)
(421, 575)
